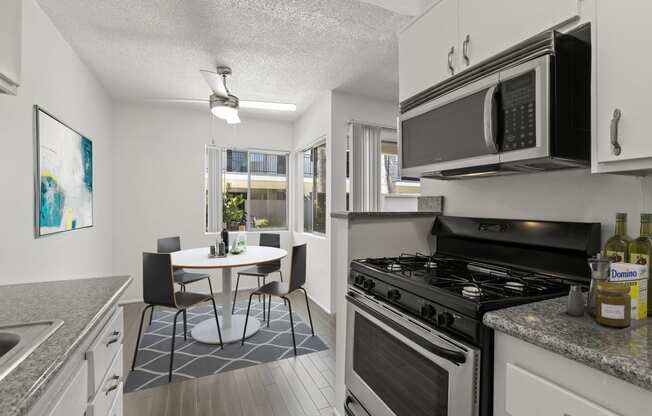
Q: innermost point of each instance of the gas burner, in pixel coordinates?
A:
(517, 286)
(471, 291)
(394, 267)
(430, 265)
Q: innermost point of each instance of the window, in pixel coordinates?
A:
(390, 180)
(254, 190)
(314, 189)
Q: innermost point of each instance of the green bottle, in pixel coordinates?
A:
(616, 248)
(640, 250)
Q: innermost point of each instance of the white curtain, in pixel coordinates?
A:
(214, 187)
(365, 167)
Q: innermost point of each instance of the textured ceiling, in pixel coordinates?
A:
(280, 50)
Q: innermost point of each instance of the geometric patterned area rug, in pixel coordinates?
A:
(193, 359)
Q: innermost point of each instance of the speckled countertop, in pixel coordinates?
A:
(623, 353)
(375, 214)
(79, 303)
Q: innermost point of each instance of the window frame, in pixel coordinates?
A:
(316, 144)
(224, 171)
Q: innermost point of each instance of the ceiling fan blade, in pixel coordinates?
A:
(216, 83)
(263, 105)
(178, 100)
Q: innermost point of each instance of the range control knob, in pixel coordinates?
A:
(359, 279)
(393, 295)
(369, 284)
(428, 311)
(445, 319)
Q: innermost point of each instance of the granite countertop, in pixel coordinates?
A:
(360, 214)
(79, 303)
(623, 353)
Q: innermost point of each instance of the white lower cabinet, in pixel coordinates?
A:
(527, 394)
(72, 400)
(91, 381)
(532, 381)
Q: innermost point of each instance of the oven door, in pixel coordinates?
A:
(396, 366)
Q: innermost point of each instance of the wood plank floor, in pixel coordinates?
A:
(297, 386)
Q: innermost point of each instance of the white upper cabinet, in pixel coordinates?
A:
(10, 39)
(623, 83)
(428, 49)
(488, 27)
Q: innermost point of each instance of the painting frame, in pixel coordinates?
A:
(86, 146)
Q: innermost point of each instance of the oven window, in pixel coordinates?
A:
(406, 381)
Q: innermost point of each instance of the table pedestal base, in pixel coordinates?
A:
(206, 331)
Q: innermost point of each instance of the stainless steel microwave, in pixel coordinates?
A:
(525, 110)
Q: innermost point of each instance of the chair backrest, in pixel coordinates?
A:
(271, 240)
(158, 281)
(298, 271)
(168, 244)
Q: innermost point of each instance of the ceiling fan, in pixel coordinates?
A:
(225, 105)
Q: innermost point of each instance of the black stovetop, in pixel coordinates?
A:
(461, 285)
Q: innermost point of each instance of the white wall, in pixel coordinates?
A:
(159, 179)
(314, 124)
(55, 78)
(573, 195)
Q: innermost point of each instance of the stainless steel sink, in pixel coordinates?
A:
(17, 341)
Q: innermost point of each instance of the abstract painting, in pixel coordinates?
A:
(64, 176)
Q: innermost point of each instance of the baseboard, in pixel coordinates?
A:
(320, 306)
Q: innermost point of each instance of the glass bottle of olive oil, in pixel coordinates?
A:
(640, 250)
(616, 248)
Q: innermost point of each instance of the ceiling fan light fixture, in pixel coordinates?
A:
(224, 107)
(233, 120)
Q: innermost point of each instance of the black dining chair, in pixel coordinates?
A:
(158, 290)
(181, 276)
(282, 290)
(261, 270)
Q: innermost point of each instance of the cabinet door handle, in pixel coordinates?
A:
(113, 387)
(465, 50)
(615, 146)
(115, 337)
(450, 60)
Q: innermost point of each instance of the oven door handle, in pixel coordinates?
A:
(349, 410)
(455, 357)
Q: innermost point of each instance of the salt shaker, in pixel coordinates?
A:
(575, 303)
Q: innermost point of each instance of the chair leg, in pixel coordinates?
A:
(235, 293)
(151, 315)
(210, 286)
(258, 279)
(185, 325)
(263, 300)
(246, 319)
(140, 331)
(174, 335)
(308, 307)
(217, 322)
(294, 342)
(269, 307)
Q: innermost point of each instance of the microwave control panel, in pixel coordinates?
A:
(518, 120)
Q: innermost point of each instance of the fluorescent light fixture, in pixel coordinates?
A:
(261, 105)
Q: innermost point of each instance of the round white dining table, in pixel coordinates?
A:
(231, 325)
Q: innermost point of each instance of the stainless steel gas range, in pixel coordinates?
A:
(415, 343)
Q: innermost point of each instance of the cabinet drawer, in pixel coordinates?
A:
(110, 389)
(103, 350)
(527, 394)
(72, 401)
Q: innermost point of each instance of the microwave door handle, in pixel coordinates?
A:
(490, 120)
